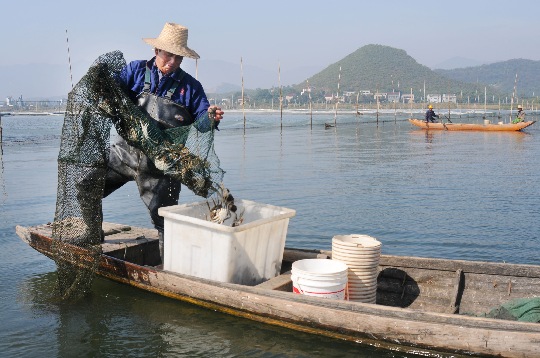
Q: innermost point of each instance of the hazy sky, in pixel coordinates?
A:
(267, 33)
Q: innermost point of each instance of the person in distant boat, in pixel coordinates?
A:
(430, 114)
(520, 115)
(159, 85)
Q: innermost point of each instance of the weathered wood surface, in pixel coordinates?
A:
(400, 329)
(492, 268)
(492, 127)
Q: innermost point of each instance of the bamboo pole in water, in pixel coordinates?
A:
(485, 102)
(69, 59)
(395, 103)
(377, 95)
(310, 112)
(395, 111)
(357, 97)
(513, 95)
(458, 102)
(448, 99)
(243, 107)
(425, 97)
(411, 102)
(337, 95)
(280, 95)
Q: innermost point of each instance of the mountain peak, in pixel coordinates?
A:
(383, 68)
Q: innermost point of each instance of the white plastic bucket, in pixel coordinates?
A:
(320, 278)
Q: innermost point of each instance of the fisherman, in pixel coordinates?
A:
(520, 117)
(430, 113)
(173, 98)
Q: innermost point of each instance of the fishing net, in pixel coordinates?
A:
(520, 309)
(95, 104)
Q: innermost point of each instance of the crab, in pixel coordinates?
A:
(218, 215)
(224, 208)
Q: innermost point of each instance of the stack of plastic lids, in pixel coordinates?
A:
(361, 253)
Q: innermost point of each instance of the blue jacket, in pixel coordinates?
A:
(190, 92)
(430, 114)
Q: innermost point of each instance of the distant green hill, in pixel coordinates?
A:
(502, 75)
(374, 67)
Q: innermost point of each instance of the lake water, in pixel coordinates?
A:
(459, 195)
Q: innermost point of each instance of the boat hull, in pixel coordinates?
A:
(272, 302)
(505, 127)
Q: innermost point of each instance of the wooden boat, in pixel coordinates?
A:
(491, 127)
(426, 306)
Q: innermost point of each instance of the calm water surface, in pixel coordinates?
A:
(439, 194)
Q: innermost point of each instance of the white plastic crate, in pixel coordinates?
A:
(247, 254)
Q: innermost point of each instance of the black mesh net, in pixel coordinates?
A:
(94, 105)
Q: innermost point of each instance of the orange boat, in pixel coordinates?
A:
(489, 127)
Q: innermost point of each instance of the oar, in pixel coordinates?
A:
(448, 119)
(444, 125)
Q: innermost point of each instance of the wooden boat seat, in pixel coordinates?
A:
(282, 282)
(133, 244)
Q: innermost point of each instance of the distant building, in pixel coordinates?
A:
(446, 98)
(365, 93)
(380, 96)
(407, 98)
(244, 101)
(434, 98)
(393, 97)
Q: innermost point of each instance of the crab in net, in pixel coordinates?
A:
(223, 208)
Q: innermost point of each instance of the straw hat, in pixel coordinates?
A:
(173, 39)
(520, 107)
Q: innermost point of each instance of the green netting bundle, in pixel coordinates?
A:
(520, 309)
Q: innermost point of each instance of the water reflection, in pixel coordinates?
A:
(2, 180)
(37, 296)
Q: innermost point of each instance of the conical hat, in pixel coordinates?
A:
(173, 38)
